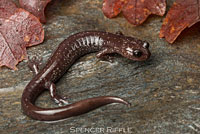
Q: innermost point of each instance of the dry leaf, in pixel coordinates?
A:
(182, 14)
(18, 30)
(36, 7)
(135, 11)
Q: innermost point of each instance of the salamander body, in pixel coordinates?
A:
(65, 55)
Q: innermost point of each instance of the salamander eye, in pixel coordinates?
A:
(137, 53)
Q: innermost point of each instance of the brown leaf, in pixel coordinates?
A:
(35, 7)
(182, 14)
(135, 11)
(18, 30)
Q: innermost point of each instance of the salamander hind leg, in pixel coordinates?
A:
(57, 98)
(34, 64)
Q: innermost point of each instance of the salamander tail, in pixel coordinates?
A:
(75, 109)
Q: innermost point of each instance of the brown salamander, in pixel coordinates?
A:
(65, 55)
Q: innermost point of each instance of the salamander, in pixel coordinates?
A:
(72, 48)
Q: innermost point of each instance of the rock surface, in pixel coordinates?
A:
(164, 91)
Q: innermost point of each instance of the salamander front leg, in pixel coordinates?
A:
(119, 33)
(57, 98)
(34, 64)
(104, 54)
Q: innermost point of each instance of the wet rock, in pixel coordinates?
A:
(164, 91)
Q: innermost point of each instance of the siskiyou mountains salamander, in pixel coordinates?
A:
(65, 55)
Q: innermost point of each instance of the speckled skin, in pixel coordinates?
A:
(66, 54)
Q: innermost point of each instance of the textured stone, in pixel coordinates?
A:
(164, 91)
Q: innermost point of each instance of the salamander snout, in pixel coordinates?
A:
(137, 51)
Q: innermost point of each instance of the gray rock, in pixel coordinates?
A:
(164, 91)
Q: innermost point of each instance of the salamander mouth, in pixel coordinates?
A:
(148, 55)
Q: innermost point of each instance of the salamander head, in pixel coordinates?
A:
(136, 50)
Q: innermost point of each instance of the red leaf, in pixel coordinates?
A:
(18, 30)
(182, 14)
(135, 11)
(112, 8)
(35, 7)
